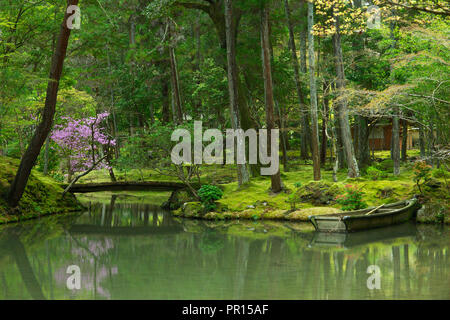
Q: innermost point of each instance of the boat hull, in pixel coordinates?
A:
(358, 220)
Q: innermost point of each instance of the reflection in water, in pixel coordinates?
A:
(136, 251)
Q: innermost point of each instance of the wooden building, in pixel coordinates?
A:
(380, 136)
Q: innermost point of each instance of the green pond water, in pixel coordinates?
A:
(127, 249)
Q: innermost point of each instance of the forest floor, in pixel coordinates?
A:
(42, 195)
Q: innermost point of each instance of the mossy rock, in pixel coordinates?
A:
(192, 209)
(42, 195)
(318, 192)
(303, 214)
(177, 199)
(434, 213)
(274, 215)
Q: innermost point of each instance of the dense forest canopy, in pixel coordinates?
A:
(324, 72)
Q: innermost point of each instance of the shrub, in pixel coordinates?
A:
(422, 174)
(208, 195)
(441, 173)
(352, 199)
(375, 174)
(293, 199)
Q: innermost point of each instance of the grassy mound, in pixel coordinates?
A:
(42, 195)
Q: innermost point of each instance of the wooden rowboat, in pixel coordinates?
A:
(374, 217)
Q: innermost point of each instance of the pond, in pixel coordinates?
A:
(129, 249)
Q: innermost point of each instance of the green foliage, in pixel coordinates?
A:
(208, 195)
(293, 199)
(375, 174)
(352, 199)
(440, 173)
(422, 174)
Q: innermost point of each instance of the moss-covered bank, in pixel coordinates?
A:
(302, 197)
(42, 195)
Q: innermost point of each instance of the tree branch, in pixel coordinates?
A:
(82, 175)
(445, 12)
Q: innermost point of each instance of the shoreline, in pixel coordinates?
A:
(299, 215)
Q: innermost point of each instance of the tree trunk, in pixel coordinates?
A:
(46, 152)
(404, 140)
(352, 165)
(422, 141)
(165, 100)
(363, 141)
(298, 85)
(313, 94)
(268, 90)
(29, 158)
(306, 130)
(243, 176)
(278, 114)
(217, 14)
(325, 116)
(178, 113)
(396, 142)
(111, 93)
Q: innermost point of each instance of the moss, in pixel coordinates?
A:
(192, 209)
(42, 195)
(177, 199)
(319, 192)
(303, 214)
(434, 212)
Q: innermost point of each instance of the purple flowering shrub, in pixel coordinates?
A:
(80, 141)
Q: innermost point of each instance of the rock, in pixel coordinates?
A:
(432, 213)
(177, 199)
(192, 209)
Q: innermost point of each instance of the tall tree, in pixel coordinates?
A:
(298, 84)
(215, 10)
(243, 176)
(404, 140)
(396, 141)
(313, 94)
(341, 103)
(305, 127)
(29, 158)
(268, 90)
(174, 78)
